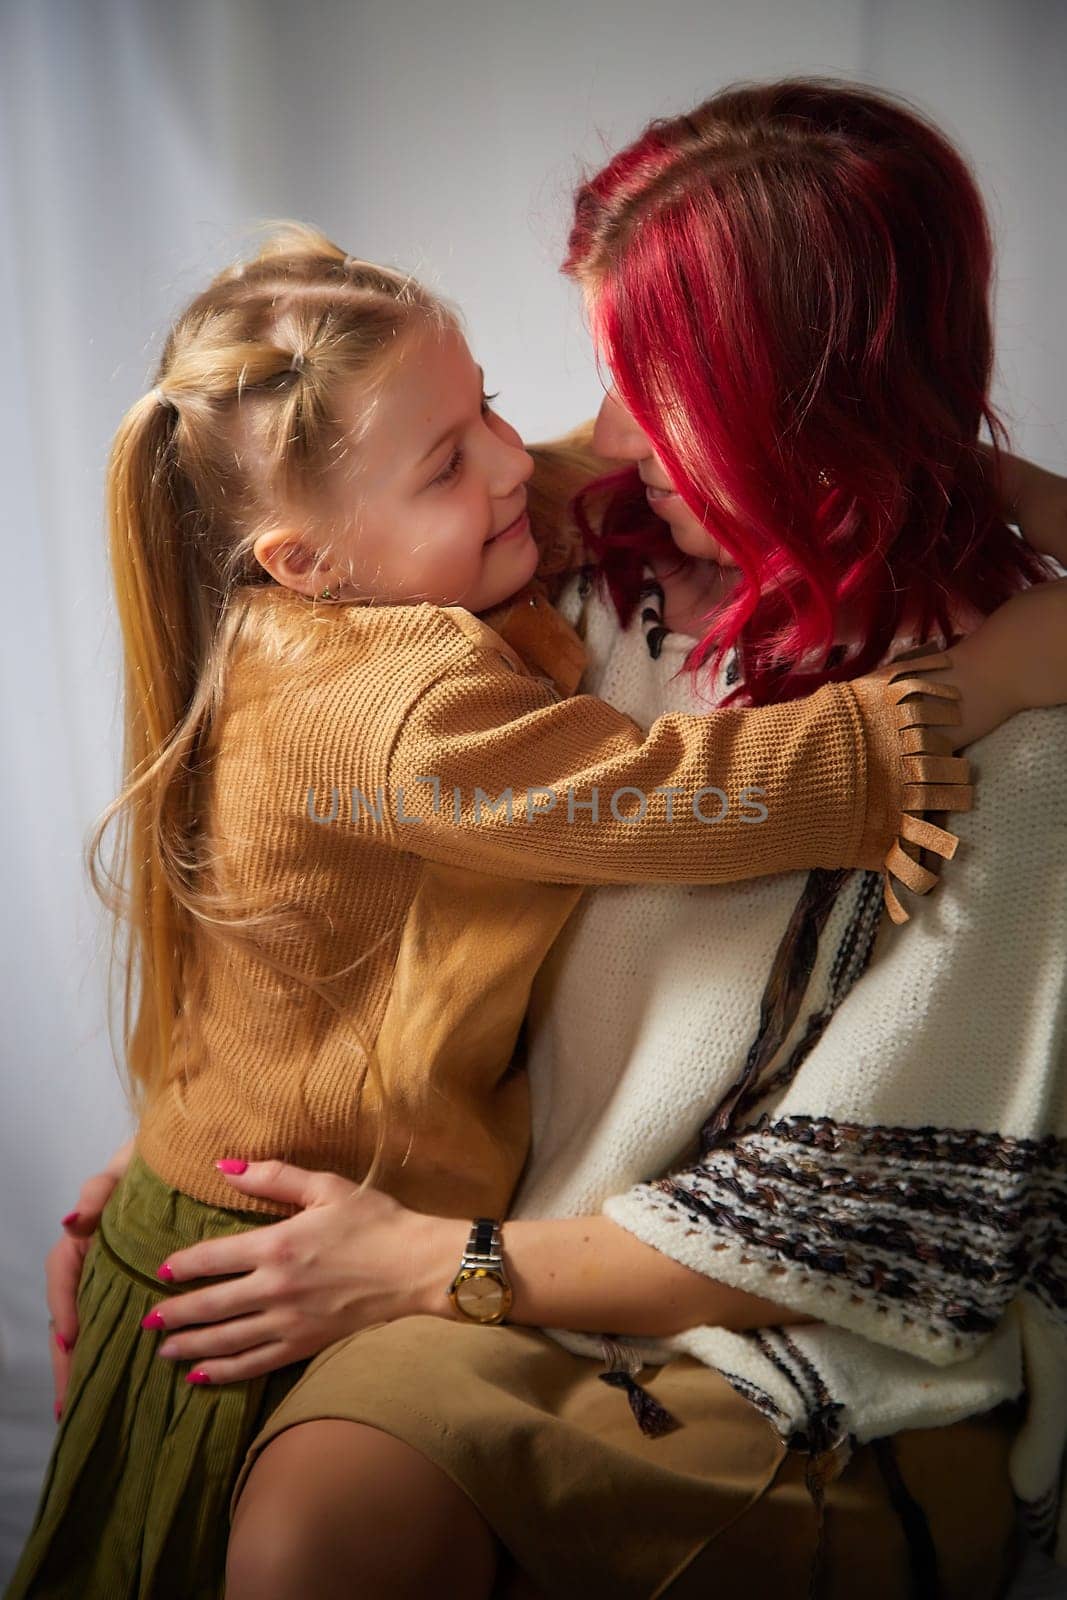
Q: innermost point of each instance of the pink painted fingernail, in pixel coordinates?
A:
(230, 1165)
(58, 1409)
(165, 1273)
(71, 1216)
(153, 1320)
(197, 1377)
(62, 1343)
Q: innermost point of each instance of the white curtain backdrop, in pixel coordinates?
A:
(140, 142)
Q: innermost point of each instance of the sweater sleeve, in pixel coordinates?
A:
(910, 1182)
(492, 770)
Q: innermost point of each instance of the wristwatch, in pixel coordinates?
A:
(480, 1291)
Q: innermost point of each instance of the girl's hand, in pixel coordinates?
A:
(348, 1259)
(1015, 660)
(1036, 502)
(64, 1262)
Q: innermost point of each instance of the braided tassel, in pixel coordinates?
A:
(653, 1419)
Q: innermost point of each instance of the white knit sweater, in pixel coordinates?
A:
(905, 1181)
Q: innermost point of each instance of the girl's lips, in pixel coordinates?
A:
(513, 530)
(652, 493)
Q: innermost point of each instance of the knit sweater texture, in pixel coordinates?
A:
(357, 768)
(775, 1085)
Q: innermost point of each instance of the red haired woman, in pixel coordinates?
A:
(797, 1169)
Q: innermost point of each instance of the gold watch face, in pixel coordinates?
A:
(480, 1295)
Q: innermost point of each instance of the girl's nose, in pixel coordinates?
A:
(616, 434)
(514, 466)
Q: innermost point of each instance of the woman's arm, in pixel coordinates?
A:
(350, 1257)
(588, 1274)
(121, 1159)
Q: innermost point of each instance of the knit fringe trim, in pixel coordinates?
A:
(934, 778)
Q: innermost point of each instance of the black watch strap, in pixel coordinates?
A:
(484, 1239)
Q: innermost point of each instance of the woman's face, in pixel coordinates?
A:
(432, 505)
(617, 434)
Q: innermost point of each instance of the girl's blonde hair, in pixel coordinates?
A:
(240, 430)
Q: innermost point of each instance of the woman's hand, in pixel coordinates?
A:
(64, 1262)
(348, 1259)
(1015, 660)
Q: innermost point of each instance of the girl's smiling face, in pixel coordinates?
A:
(431, 504)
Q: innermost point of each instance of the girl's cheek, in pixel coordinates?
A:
(470, 528)
(455, 542)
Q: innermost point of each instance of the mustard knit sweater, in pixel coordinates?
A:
(422, 802)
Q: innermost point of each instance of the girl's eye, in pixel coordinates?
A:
(450, 471)
(455, 460)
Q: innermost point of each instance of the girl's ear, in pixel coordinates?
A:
(290, 562)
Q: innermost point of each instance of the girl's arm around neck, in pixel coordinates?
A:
(495, 773)
(1034, 500)
(590, 1275)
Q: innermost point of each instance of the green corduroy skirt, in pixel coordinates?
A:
(135, 1496)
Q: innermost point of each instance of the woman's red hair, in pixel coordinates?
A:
(794, 281)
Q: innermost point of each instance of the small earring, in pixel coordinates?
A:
(327, 594)
(824, 477)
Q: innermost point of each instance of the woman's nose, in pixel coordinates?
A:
(616, 434)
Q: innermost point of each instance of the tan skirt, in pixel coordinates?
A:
(584, 1503)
